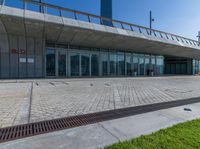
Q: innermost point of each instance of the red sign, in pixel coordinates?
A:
(16, 51)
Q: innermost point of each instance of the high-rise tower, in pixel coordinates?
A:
(106, 11)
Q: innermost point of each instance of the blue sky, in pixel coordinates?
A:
(180, 17)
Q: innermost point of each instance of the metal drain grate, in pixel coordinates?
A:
(32, 129)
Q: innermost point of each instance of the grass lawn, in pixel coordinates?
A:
(181, 136)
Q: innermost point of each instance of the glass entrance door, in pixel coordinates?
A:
(61, 63)
(94, 64)
(56, 63)
(85, 65)
(50, 62)
(74, 64)
(141, 65)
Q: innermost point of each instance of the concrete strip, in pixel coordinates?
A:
(53, 19)
(98, 27)
(109, 132)
(131, 127)
(23, 115)
(31, 15)
(14, 12)
(85, 25)
(178, 113)
(70, 22)
(86, 137)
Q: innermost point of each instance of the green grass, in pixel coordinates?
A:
(181, 136)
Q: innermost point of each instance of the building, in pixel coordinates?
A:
(106, 11)
(38, 40)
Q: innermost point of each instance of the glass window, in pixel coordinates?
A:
(160, 65)
(75, 64)
(141, 65)
(61, 63)
(196, 66)
(147, 64)
(153, 63)
(121, 63)
(113, 64)
(193, 62)
(135, 64)
(50, 62)
(199, 67)
(104, 63)
(85, 64)
(128, 64)
(94, 64)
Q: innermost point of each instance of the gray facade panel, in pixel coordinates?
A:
(38, 66)
(39, 48)
(30, 58)
(14, 56)
(4, 56)
(4, 65)
(22, 57)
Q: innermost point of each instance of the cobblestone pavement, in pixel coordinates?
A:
(56, 98)
(12, 96)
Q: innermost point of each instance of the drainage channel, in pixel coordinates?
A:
(37, 128)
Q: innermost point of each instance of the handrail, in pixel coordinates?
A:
(132, 27)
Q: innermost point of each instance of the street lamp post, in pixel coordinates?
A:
(151, 21)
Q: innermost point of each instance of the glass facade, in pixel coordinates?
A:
(62, 63)
(159, 65)
(121, 63)
(104, 63)
(74, 64)
(129, 69)
(85, 65)
(147, 64)
(113, 63)
(153, 63)
(141, 65)
(196, 66)
(50, 62)
(135, 64)
(78, 62)
(94, 64)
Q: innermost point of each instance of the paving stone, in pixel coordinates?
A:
(68, 97)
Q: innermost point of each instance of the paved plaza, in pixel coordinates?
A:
(25, 101)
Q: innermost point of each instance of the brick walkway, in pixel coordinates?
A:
(66, 97)
(12, 96)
